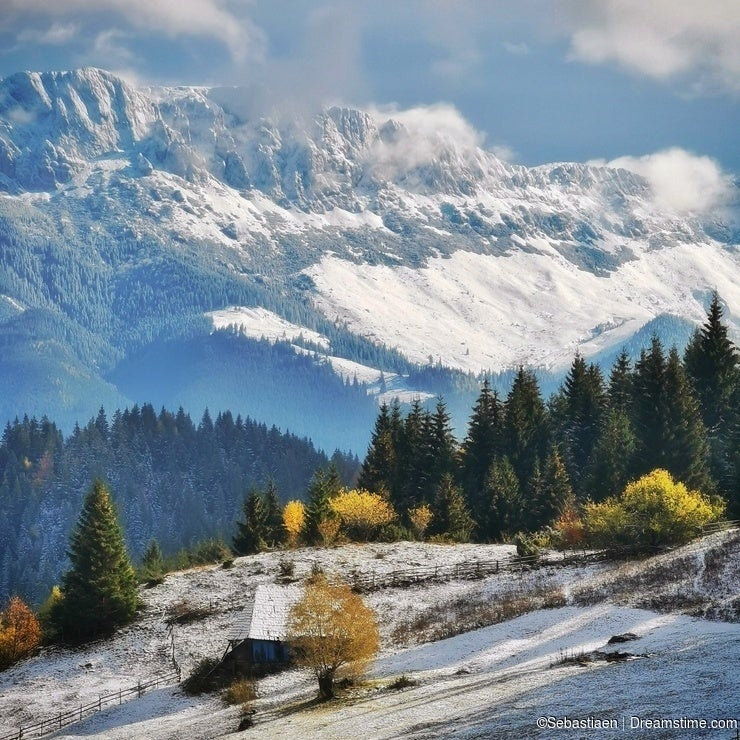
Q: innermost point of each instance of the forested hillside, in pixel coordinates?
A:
(172, 480)
(524, 460)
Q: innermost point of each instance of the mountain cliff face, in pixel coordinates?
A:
(128, 215)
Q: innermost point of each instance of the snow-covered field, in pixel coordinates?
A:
(490, 682)
(477, 313)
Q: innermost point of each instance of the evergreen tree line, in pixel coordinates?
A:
(174, 481)
(524, 459)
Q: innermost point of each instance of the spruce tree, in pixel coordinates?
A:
(152, 562)
(649, 410)
(251, 533)
(439, 450)
(481, 446)
(712, 363)
(556, 491)
(687, 452)
(324, 485)
(619, 394)
(525, 424)
(99, 591)
(378, 472)
(612, 459)
(505, 512)
(451, 517)
(577, 414)
(273, 515)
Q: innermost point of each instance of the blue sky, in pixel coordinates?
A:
(542, 80)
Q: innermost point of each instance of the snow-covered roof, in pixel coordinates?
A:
(265, 617)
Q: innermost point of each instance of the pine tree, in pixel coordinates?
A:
(687, 452)
(378, 472)
(481, 446)
(450, 515)
(273, 515)
(99, 591)
(323, 487)
(251, 535)
(712, 363)
(581, 410)
(505, 511)
(525, 428)
(612, 460)
(555, 493)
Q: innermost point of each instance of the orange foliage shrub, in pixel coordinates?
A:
(20, 633)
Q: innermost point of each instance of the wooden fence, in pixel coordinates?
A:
(68, 717)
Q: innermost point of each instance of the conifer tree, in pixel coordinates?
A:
(556, 491)
(438, 452)
(99, 591)
(378, 472)
(612, 460)
(481, 446)
(525, 429)
(251, 533)
(619, 394)
(412, 472)
(687, 451)
(649, 408)
(324, 485)
(712, 363)
(152, 562)
(273, 514)
(505, 512)
(450, 515)
(583, 406)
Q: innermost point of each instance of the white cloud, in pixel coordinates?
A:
(681, 181)
(55, 35)
(659, 38)
(425, 133)
(173, 17)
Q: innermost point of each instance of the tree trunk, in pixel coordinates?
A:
(326, 685)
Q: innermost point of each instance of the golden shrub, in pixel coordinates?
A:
(20, 633)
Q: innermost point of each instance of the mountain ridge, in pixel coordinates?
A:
(130, 215)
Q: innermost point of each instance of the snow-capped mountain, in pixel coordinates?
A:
(127, 216)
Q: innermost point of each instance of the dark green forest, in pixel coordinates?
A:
(523, 458)
(172, 480)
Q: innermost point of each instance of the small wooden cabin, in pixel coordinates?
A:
(258, 640)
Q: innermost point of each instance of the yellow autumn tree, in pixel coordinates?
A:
(568, 527)
(294, 516)
(653, 510)
(20, 633)
(331, 628)
(420, 517)
(362, 513)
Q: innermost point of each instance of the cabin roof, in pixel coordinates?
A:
(265, 616)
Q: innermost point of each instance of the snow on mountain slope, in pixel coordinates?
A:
(474, 312)
(398, 222)
(260, 323)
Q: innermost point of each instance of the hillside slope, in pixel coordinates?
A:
(494, 680)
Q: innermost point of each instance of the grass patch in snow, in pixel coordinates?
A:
(463, 614)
